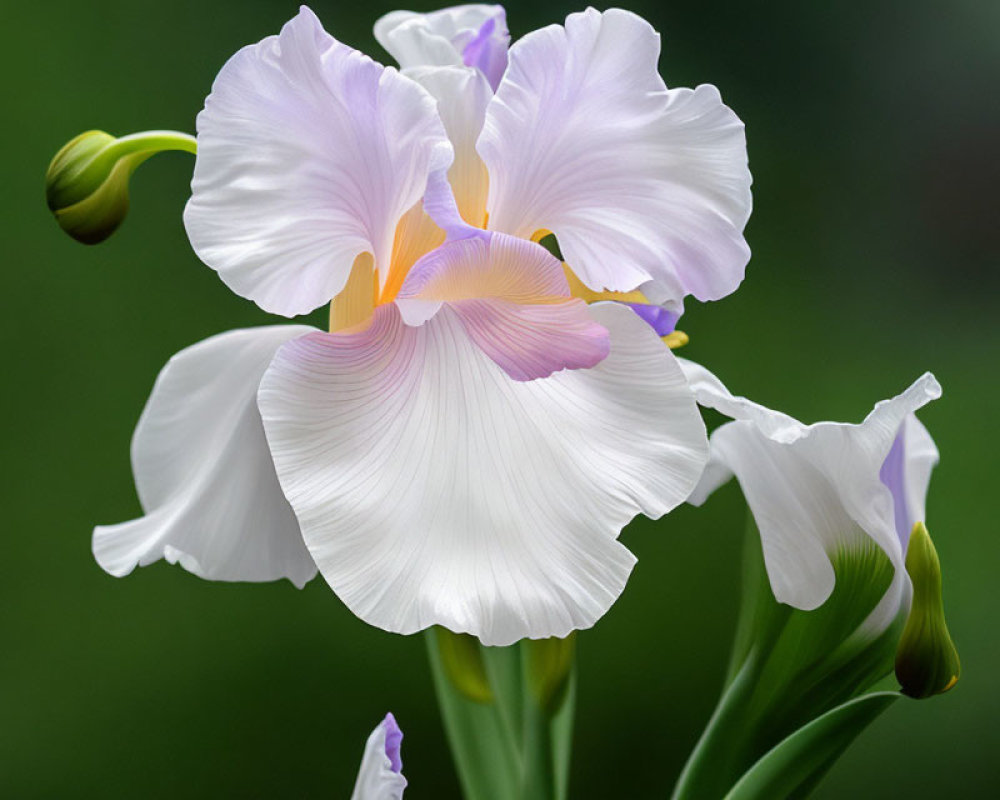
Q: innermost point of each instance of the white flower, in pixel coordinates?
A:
(466, 444)
(816, 489)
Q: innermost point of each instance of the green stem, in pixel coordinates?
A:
(549, 700)
(154, 140)
(486, 758)
(508, 714)
(716, 760)
(137, 147)
(539, 761)
(76, 174)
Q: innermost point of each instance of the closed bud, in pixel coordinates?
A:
(86, 184)
(463, 664)
(549, 666)
(926, 660)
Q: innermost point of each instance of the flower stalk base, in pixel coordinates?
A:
(508, 714)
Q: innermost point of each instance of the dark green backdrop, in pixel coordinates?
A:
(873, 132)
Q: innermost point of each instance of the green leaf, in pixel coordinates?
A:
(795, 765)
(790, 666)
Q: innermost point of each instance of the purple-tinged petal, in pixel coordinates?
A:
(309, 154)
(471, 35)
(906, 471)
(660, 319)
(380, 776)
(533, 341)
(440, 205)
(638, 182)
(393, 742)
(487, 52)
(512, 297)
(434, 490)
(816, 488)
(891, 474)
(461, 95)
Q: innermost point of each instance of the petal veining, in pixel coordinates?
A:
(640, 183)
(512, 297)
(309, 154)
(433, 489)
(204, 473)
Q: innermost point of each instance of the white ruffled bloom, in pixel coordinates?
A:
(814, 489)
(465, 445)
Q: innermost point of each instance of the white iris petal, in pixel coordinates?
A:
(815, 488)
(434, 489)
(204, 473)
(638, 182)
(309, 154)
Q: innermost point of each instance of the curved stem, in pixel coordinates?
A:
(156, 141)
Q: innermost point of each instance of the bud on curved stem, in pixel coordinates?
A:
(926, 659)
(86, 184)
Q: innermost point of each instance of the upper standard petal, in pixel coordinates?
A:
(638, 182)
(473, 35)
(462, 96)
(309, 154)
(434, 489)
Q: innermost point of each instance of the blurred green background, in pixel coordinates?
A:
(873, 131)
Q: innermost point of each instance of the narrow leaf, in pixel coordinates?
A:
(798, 761)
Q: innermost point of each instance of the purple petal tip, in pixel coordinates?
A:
(393, 742)
(659, 319)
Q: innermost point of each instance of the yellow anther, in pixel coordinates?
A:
(676, 339)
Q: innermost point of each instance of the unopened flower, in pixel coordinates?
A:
(381, 774)
(466, 443)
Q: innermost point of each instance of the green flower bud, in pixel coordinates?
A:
(549, 668)
(926, 659)
(86, 184)
(463, 664)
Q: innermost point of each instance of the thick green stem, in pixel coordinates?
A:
(487, 760)
(508, 714)
(549, 699)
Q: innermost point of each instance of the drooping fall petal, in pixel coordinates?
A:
(434, 489)
(204, 473)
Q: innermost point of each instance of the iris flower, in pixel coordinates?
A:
(380, 776)
(466, 442)
(818, 489)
